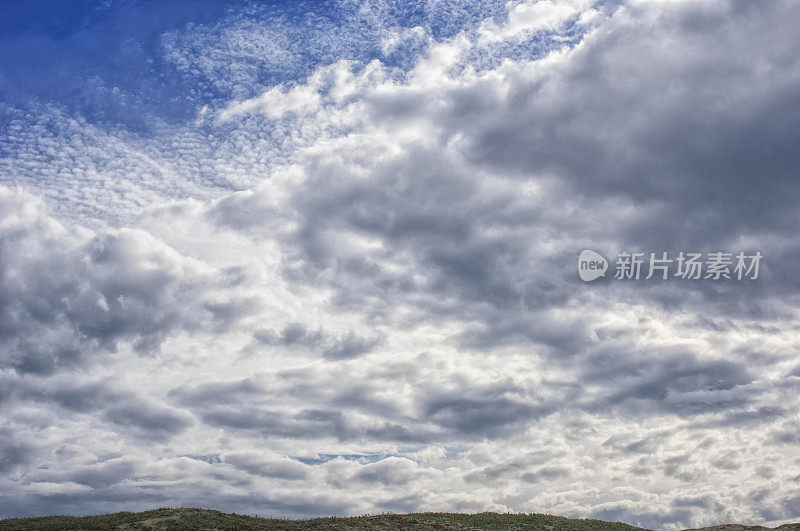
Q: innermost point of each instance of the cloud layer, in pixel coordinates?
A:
(300, 263)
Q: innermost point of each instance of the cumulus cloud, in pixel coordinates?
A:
(344, 346)
(70, 295)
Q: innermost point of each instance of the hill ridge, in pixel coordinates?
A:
(169, 519)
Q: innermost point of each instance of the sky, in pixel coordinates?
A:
(321, 258)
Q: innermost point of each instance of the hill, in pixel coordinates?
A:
(180, 519)
(192, 519)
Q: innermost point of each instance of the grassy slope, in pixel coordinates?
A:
(177, 519)
(204, 519)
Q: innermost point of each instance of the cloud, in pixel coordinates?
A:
(254, 463)
(127, 411)
(487, 414)
(68, 296)
(300, 263)
(343, 346)
(16, 453)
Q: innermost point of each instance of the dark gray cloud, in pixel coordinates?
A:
(151, 421)
(66, 298)
(671, 381)
(331, 346)
(97, 475)
(545, 474)
(129, 412)
(15, 453)
(486, 413)
(694, 153)
(441, 416)
(253, 464)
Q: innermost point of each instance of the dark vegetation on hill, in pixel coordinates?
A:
(192, 519)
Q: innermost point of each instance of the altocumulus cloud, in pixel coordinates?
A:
(297, 262)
